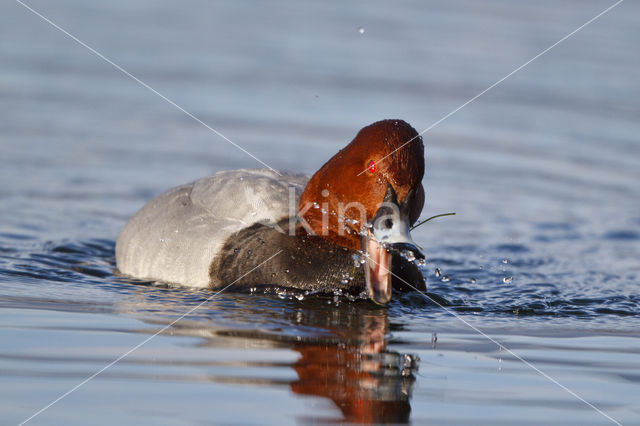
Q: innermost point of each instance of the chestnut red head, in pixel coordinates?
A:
(359, 174)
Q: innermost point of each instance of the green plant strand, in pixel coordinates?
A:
(432, 217)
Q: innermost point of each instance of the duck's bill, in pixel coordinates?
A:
(378, 276)
(377, 273)
(389, 235)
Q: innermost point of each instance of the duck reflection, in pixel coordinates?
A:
(343, 353)
(365, 381)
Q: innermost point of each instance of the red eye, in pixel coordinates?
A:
(371, 166)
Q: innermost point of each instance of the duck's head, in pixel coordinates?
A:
(367, 196)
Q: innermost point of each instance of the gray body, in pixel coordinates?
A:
(176, 236)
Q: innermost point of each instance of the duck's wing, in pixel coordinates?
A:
(175, 236)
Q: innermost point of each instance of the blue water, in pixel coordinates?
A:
(542, 171)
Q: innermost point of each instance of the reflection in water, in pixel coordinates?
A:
(367, 383)
(342, 355)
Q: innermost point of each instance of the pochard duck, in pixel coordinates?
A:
(347, 228)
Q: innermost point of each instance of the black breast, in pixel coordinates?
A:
(301, 261)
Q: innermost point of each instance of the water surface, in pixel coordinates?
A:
(542, 171)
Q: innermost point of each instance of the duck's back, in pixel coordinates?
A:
(176, 236)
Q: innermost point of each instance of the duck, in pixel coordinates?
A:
(345, 229)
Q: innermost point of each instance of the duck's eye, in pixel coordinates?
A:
(371, 166)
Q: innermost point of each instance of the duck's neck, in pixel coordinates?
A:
(326, 223)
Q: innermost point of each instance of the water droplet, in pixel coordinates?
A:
(507, 280)
(273, 275)
(445, 279)
(361, 30)
(408, 254)
(316, 205)
(473, 280)
(300, 297)
(437, 272)
(323, 211)
(505, 260)
(420, 262)
(407, 361)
